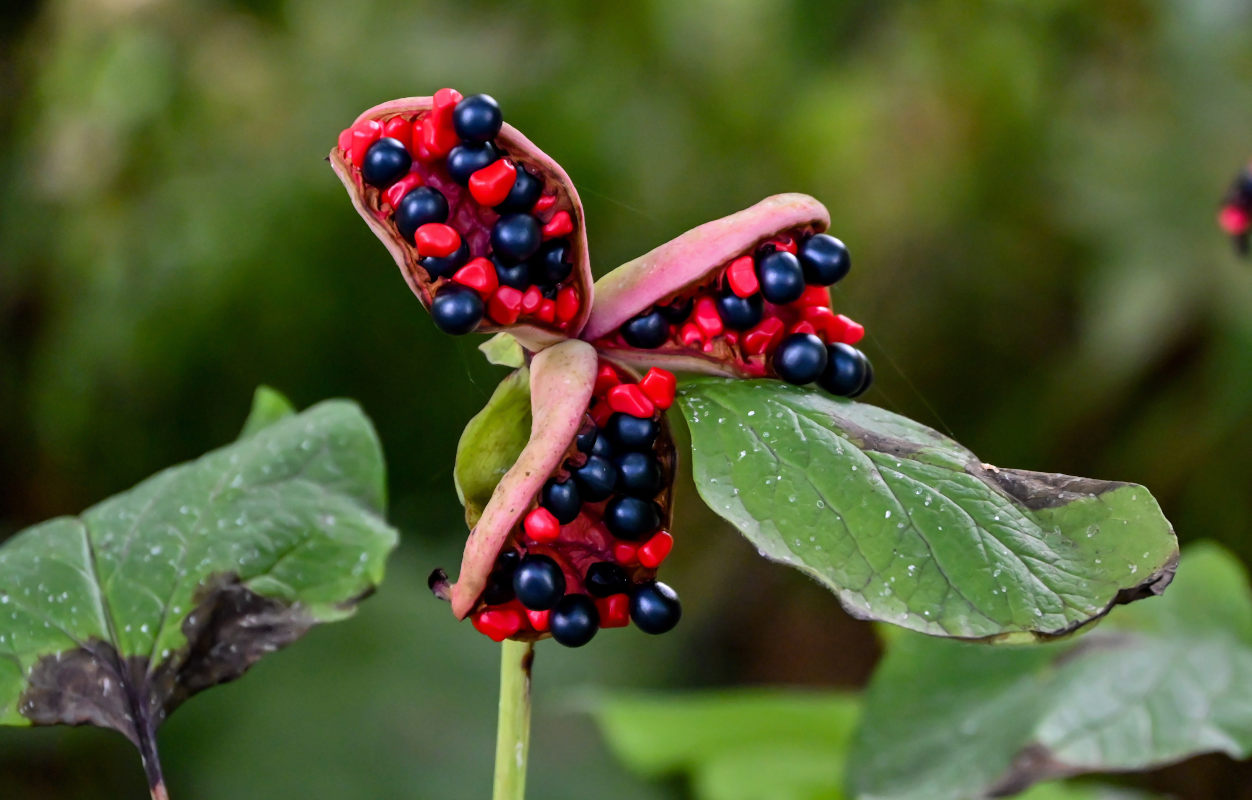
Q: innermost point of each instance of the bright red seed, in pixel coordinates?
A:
(803, 326)
(532, 298)
(654, 551)
(614, 610)
(399, 128)
(659, 385)
(491, 184)
(436, 142)
(396, 191)
(436, 239)
(606, 378)
(1234, 220)
(628, 398)
(441, 107)
(600, 412)
(814, 296)
(763, 337)
(345, 140)
(543, 204)
(845, 330)
(626, 554)
(538, 619)
(505, 306)
(784, 243)
(822, 319)
(731, 337)
(498, 624)
(541, 526)
(480, 275)
(364, 134)
(559, 225)
(547, 311)
(567, 304)
(690, 335)
(706, 317)
(741, 274)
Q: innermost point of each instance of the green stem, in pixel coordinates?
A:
(513, 726)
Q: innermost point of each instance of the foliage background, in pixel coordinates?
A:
(1028, 189)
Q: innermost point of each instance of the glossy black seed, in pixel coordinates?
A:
(516, 237)
(538, 582)
(677, 311)
(456, 309)
(825, 259)
(648, 330)
(574, 620)
(631, 433)
(508, 560)
(781, 277)
(655, 607)
(515, 274)
(800, 358)
(740, 313)
(586, 439)
(638, 474)
(847, 371)
(562, 499)
(423, 205)
(386, 162)
(605, 578)
(525, 192)
(499, 587)
(551, 264)
(595, 479)
(631, 518)
(477, 118)
(549, 292)
(445, 266)
(466, 159)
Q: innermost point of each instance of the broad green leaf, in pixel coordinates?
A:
(1156, 683)
(115, 617)
(503, 350)
(909, 527)
(739, 745)
(268, 406)
(1072, 790)
(491, 443)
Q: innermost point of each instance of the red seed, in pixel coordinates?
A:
(399, 128)
(436, 142)
(531, 300)
(606, 378)
(345, 140)
(814, 296)
(823, 321)
(491, 184)
(396, 191)
(659, 385)
(538, 619)
(741, 274)
(763, 337)
(731, 337)
(1233, 220)
(364, 134)
(480, 275)
(626, 554)
(690, 335)
(498, 624)
(654, 551)
(614, 610)
(541, 526)
(559, 225)
(847, 331)
(441, 107)
(543, 204)
(505, 305)
(436, 239)
(567, 304)
(784, 243)
(547, 311)
(600, 413)
(803, 326)
(628, 398)
(706, 317)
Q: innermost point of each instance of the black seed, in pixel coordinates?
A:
(456, 309)
(631, 518)
(574, 620)
(800, 358)
(516, 237)
(562, 499)
(781, 277)
(605, 578)
(638, 474)
(516, 275)
(847, 371)
(586, 439)
(445, 266)
(525, 192)
(655, 608)
(648, 330)
(466, 159)
(508, 560)
(419, 207)
(549, 292)
(677, 311)
(386, 162)
(631, 433)
(825, 259)
(538, 582)
(499, 587)
(595, 479)
(477, 118)
(550, 265)
(602, 447)
(740, 313)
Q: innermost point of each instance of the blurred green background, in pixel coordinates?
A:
(1028, 188)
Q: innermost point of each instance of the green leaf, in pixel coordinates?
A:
(909, 527)
(1156, 683)
(491, 443)
(268, 406)
(739, 745)
(115, 617)
(503, 350)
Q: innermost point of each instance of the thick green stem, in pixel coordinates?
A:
(513, 726)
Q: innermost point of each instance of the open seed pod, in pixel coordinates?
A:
(487, 230)
(743, 296)
(574, 531)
